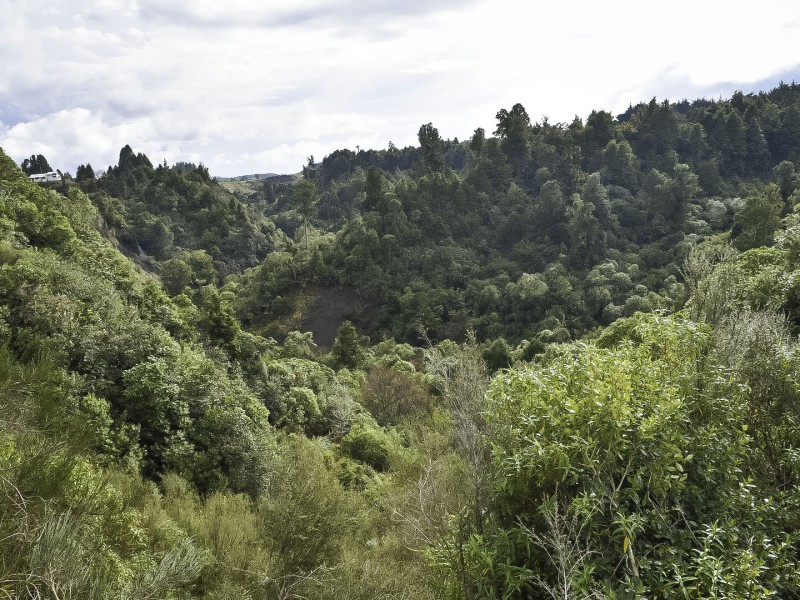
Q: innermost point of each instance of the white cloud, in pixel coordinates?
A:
(79, 135)
(251, 86)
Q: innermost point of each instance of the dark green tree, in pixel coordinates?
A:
(735, 151)
(685, 189)
(550, 206)
(305, 200)
(656, 132)
(35, 165)
(219, 319)
(786, 178)
(431, 148)
(621, 167)
(373, 189)
(786, 144)
(202, 268)
(84, 173)
(347, 350)
(497, 355)
(595, 193)
(310, 169)
(513, 127)
(478, 141)
(586, 234)
(598, 132)
(498, 168)
(176, 276)
(129, 161)
(758, 157)
(757, 222)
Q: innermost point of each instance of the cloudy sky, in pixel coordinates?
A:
(253, 87)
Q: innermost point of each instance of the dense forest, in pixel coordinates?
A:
(550, 361)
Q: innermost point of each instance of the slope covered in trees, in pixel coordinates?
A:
(540, 232)
(453, 442)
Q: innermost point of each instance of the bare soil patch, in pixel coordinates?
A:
(332, 306)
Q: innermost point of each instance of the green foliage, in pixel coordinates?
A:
(393, 396)
(86, 307)
(305, 512)
(305, 200)
(295, 393)
(631, 456)
(298, 345)
(196, 422)
(84, 173)
(431, 148)
(69, 531)
(759, 219)
(368, 443)
(347, 350)
(373, 190)
(497, 355)
(176, 276)
(163, 211)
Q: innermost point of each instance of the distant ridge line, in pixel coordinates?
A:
(259, 176)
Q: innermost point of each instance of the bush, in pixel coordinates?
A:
(368, 444)
(623, 463)
(392, 396)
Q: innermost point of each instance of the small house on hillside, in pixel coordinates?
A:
(45, 177)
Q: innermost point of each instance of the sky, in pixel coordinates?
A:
(255, 87)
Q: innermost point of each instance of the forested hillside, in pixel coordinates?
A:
(565, 364)
(539, 232)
